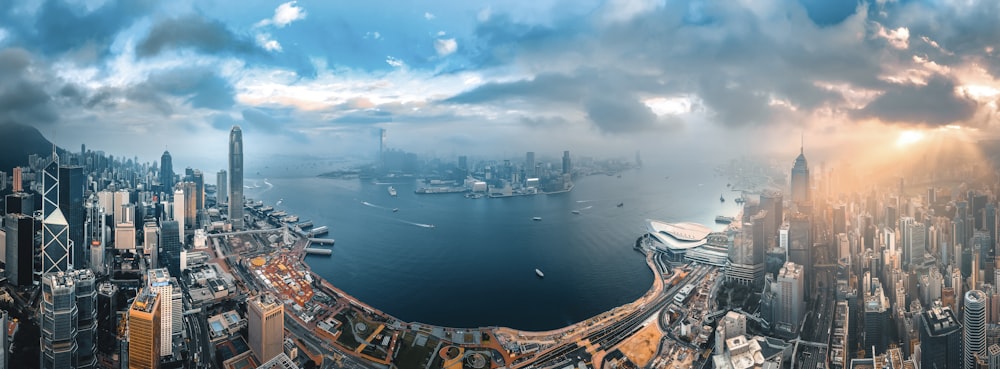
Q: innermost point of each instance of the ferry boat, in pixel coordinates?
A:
(621, 204)
(722, 199)
(537, 219)
(392, 191)
(724, 219)
(539, 273)
(395, 210)
(577, 212)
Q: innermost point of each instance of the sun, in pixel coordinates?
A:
(909, 137)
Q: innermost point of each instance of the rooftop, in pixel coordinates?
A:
(145, 301)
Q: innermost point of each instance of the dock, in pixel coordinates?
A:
(321, 241)
(317, 251)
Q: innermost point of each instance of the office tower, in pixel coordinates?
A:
(68, 320)
(974, 338)
(566, 164)
(800, 246)
(120, 199)
(58, 322)
(177, 308)
(107, 317)
(144, 331)
(281, 361)
(166, 172)
(913, 239)
(529, 164)
(19, 253)
(990, 217)
(151, 242)
(199, 189)
(745, 263)
(50, 186)
(876, 319)
(800, 178)
(86, 304)
(463, 164)
(840, 219)
(18, 181)
(790, 297)
(170, 248)
(770, 201)
(265, 326)
(978, 203)
(56, 245)
(221, 187)
(179, 211)
(236, 176)
(125, 237)
(19, 203)
(158, 281)
(71, 188)
(940, 339)
(993, 356)
(190, 204)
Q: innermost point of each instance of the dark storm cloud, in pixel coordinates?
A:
(195, 32)
(619, 114)
(934, 104)
(23, 98)
(200, 87)
(59, 26)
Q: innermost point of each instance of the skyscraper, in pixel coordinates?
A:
(199, 189)
(800, 245)
(567, 165)
(158, 281)
(56, 247)
(166, 172)
(800, 178)
(68, 323)
(940, 339)
(529, 164)
(974, 337)
(914, 239)
(790, 297)
(71, 186)
(144, 331)
(4, 340)
(170, 248)
(265, 326)
(236, 176)
(179, 211)
(190, 204)
(107, 317)
(221, 187)
(20, 249)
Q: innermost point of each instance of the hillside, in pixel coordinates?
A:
(17, 141)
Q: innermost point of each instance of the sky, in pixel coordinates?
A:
(319, 78)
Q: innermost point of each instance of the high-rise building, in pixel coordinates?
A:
(529, 164)
(940, 339)
(746, 264)
(179, 211)
(265, 326)
(170, 248)
(567, 165)
(4, 340)
(281, 361)
(236, 176)
(993, 356)
(790, 297)
(974, 337)
(56, 247)
(199, 189)
(158, 281)
(800, 178)
(800, 245)
(50, 187)
(840, 219)
(876, 318)
(144, 331)
(19, 203)
(68, 320)
(121, 199)
(19, 254)
(770, 201)
(914, 240)
(190, 204)
(463, 164)
(221, 187)
(107, 317)
(71, 188)
(166, 172)
(17, 184)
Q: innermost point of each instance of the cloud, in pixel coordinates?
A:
(60, 26)
(284, 15)
(265, 41)
(23, 97)
(898, 38)
(619, 114)
(428, 16)
(936, 103)
(396, 63)
(445, 46)
(198, 87)
(195, 32)
(368, 116)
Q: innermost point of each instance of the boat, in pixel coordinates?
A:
(395, 210)
(538, 219)
(392, 191)
(539, 273)
(724, 219)
(575, 212)
(722, 199)
(621, 204)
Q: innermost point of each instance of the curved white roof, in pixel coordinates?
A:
(684, 235)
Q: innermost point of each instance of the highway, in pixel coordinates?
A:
(607, 337)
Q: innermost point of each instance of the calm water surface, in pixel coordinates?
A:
(476, 266)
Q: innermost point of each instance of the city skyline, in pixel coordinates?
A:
(475, 75)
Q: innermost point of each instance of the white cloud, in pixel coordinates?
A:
(373, 35)
(624, 10)
(265, 41)
(428, 15)
(284, 14)
(898, 38)
(440, 33)
(3, 35)
(484, 14)
(445, 46)
(394, 62)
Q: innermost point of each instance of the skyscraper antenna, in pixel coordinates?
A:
(802, 142)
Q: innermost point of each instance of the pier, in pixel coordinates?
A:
(321, 241)
(317, 251)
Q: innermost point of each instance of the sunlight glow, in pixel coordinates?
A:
(907, 138)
